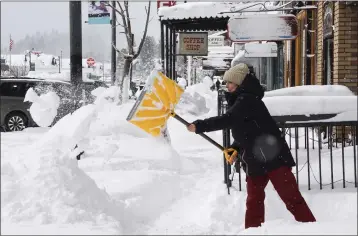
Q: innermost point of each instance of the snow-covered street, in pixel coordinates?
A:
(128, 182)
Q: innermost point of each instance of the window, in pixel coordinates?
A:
(13, 89)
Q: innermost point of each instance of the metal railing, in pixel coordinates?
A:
(334, 144)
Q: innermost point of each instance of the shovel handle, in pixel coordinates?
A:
(202, 135)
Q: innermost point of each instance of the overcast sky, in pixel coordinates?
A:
(21, 18)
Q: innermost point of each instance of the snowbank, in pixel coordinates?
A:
(44, 184)
(44, 107)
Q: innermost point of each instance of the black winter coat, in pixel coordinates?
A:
(256, 135)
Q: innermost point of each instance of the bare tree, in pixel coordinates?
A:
(125, 22)
(16, 71)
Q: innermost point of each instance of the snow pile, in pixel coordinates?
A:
(44, 108)
(57, 191)
(326, 99)
(312, 90)
(199, 99)
(44, 185)
(111, 123)
(292, 105)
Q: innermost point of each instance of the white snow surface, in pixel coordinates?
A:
(182, 82)
(128, 182)
(312, 90)
(325, 99)
(43, 109)
(207, 9)
(293, 105)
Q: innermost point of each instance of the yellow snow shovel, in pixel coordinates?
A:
(155, 105)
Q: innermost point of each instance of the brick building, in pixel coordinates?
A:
(326, 49)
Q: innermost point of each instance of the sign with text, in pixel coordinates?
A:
(98, 12)
(263, 28)
(216, 41)
(193, 44)
(261, 49)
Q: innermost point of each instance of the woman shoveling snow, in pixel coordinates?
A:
(265, 155)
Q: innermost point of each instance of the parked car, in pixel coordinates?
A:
(4, 66)
(15, 115)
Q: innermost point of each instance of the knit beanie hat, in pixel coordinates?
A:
(236, 74)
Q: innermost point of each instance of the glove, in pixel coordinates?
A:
(230, 155)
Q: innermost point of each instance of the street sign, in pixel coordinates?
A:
(90, 61)
(263, 27)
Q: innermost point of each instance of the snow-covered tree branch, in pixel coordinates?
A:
(124, 21)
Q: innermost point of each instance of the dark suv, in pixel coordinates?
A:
(15, 115)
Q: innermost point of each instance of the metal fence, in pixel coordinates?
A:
(334, 144)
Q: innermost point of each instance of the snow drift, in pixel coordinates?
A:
(44, 107)
(44, 185)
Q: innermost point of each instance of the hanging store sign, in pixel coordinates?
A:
(261, 50)
(263, 28)
(98, 12)
(193, 44)
(216, 41)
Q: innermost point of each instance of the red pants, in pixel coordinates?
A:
(285, 184)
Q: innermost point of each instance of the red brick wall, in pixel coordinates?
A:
(346, 46)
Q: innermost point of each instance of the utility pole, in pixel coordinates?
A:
(131, 71)
(76, 51)
(76, 42)
(59, 64)
(114, 43)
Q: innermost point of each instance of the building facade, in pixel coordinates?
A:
(326, 49)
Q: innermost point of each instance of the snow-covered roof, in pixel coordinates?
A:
(216, 63)
(207, 9)
(218, 33)
(216, 56)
